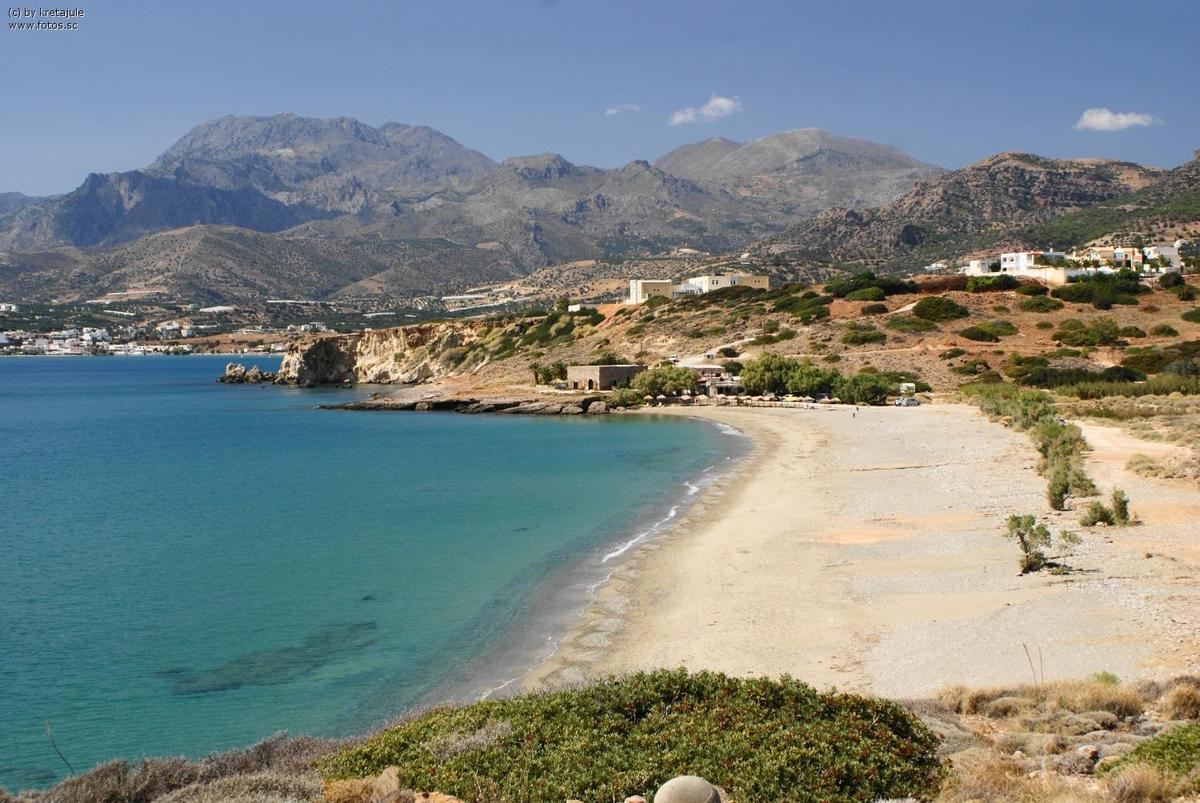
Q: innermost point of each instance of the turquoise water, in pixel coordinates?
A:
(187, 566)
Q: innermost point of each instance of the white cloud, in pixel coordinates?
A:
(717, 107)
(624, 108)
(1102, 119)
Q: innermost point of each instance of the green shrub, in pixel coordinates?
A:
(890, 285)
(1175, 751)
(874, 309)
(732, 367)
(1096, 513)
(951, 353)
(867, 294)
(1120, 507)
(1161, 385)
(1164, 329)
(1131, 331)
(1186, 293)
(988, 331)
(625, 397)
(939, 309)
(728, 351)
(1041, 304)
(760, 739)
(865, 387)
(859, 333)
(1045, 325)
(1033, 289)
(990, 284)
(1169, 280)
(1098, 332)
(910, 325)
(1192, 315)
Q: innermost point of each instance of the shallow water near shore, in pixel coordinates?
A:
(187, 567)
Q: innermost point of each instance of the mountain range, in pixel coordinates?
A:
(246, 208)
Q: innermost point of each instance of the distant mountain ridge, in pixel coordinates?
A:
(397, 209)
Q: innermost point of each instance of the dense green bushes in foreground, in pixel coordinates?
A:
(759, 739)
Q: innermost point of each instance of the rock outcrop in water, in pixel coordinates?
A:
(237, 374)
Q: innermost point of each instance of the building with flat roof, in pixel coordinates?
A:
(718, 281)
(642, 290)
(601, 377)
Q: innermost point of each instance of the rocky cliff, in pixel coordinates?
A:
(400, 355)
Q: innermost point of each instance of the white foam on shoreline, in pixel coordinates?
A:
(644, 534)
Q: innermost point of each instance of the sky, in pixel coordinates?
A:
(608, 81)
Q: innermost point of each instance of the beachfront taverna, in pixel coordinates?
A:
(600, 377)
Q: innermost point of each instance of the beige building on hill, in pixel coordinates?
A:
(642, 290)
(600, 377)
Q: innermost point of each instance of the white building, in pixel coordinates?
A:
(9, 308)
(642, 290)
(717, 281)
(1170, 253)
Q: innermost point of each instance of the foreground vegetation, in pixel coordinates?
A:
(759, 739)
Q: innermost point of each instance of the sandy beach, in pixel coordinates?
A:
(863, 550)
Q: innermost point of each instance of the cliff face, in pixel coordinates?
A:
(401, 355)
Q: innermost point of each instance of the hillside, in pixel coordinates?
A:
(226, 265)
(991, 202)
(492, 355)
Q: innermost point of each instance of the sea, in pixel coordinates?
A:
(188, 567)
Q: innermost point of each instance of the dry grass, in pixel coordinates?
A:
(1142, 784)
(153, 779)
(1073, 696)
(987, 776)
(263, 787)
(1182, 701)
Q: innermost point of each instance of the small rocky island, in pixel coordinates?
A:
(237, 374)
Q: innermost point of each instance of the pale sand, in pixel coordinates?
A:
(864, 551)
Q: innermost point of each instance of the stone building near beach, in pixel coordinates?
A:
(600, 377)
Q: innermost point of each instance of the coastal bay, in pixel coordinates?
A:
(863, 550)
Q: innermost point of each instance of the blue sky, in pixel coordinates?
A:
(949, 82)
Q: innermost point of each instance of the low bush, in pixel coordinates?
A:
(910, 325)
(1097, 332)
(1131, 331)
(990, 284)
(867, 294)
(1169, 280)
(889, 285)
(728, 351)
(858, 334)
(1096, 513)
(1041, 304)
(760, 739)
(1182, 701)
(874, 309)
(1161, 385)
(1175, 751)
(951, 353)
(988, 331)
(1033, 289)
(1192, 315)
(1163, 330)
(939, 309)
(626, 397)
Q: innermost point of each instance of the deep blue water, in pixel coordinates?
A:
(187, 566)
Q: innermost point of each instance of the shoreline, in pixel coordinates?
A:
(851, 551)
(569, 589)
